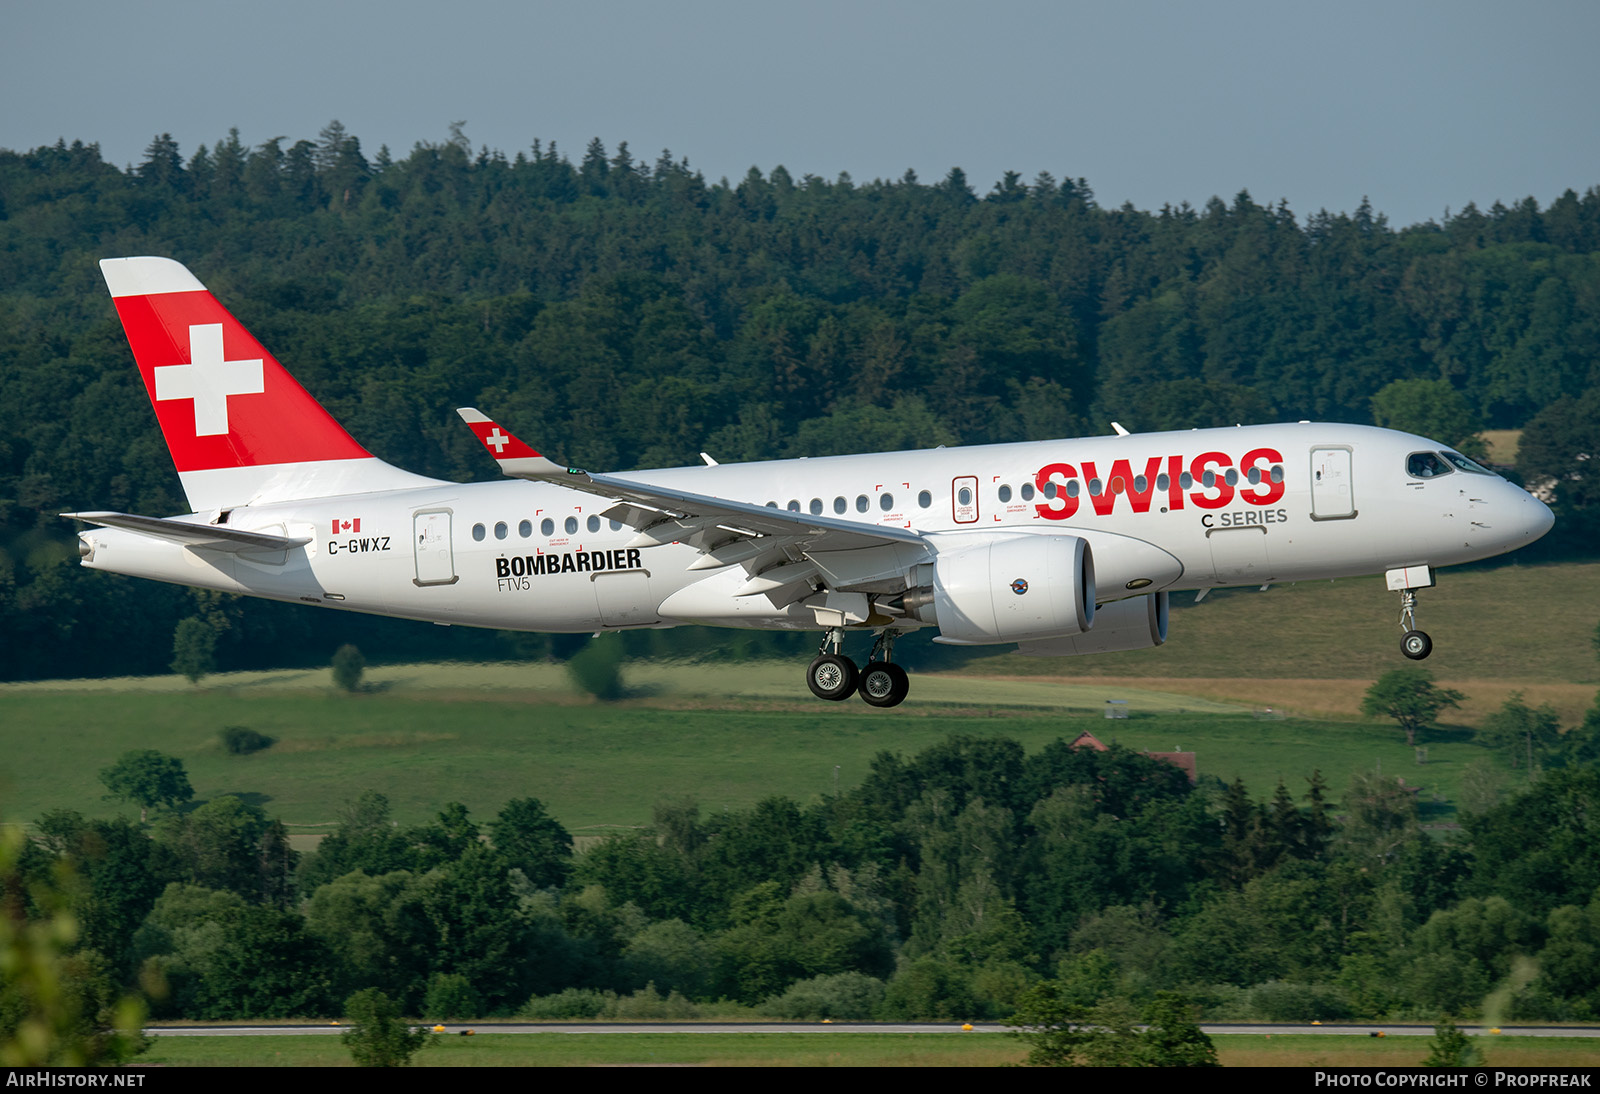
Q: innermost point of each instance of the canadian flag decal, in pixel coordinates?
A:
(353, 525)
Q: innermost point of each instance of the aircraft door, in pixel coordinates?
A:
(430, 539)
(1332, 494)
(1239, 555)
(964, 499)
(623, 598)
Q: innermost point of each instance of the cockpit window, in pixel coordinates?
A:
(1426, 465)
(1465, 464)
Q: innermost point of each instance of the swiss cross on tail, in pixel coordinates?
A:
(515, 458)
(222, 400)
(208, 379)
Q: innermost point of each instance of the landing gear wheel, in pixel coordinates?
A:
(884, 684)
(1416, 645)
(832, 677)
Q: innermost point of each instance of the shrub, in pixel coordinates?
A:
(572, 1004)
(1452, 1048)
(377, 1036)
(649, 1003)
(451, 998)
(597, 668)
(931, 990)
(850, 996)
(194, 649)
(1278, 1001)
(348, 665)
(240, 741)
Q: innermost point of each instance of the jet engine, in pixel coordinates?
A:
(1133, 624)
(1015, 588)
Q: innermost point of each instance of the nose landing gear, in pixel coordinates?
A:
(1414, 644)
(1406, 580)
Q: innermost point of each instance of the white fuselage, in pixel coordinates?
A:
(532, 556)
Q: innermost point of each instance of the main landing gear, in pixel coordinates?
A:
(880, 683)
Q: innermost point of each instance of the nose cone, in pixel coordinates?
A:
(1530, 519)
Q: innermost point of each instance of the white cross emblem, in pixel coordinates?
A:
(499, 440)
(209, 380)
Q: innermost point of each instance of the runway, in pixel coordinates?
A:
(1214, 1030)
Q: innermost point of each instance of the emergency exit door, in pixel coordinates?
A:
(1332, 493)
(430, 540)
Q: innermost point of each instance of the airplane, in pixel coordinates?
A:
(1064, 548)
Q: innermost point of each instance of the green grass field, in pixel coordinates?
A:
(731, 734)
(436, 734)
(823, 1049)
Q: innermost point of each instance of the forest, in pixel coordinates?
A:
(625, 312)
(943, 887)
(622, 312)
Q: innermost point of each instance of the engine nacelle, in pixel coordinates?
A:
(1134, 624)
(1015, 588)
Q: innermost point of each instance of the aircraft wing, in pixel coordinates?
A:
(213, 536)
(788, 555)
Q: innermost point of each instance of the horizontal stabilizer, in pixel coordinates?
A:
(213, 536)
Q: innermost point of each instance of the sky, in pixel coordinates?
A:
(1421, 107)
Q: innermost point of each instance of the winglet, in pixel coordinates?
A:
(515, 458)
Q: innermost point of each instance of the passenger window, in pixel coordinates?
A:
(840, 505)
(862, 504)
(1163, 483)
(572, 525)
(1231, 477)
(594, 524)
(525, 529)
(1425, 465)
(924, 499)
(1277, 474)
(794, 505)
(965, 496)
(1027, 491)
(816, 507)
(886, 502)
(547, 527)
(478, 532)
(1005, 493)
(1050, 488)
(616, 525)
(500, 530)
(1073, 487)
(1094, 488)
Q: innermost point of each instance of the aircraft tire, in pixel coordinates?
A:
(884, 684)
(832, 677)
(1416, 645)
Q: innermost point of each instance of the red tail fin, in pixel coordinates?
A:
(222, 400)
(237, 424)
